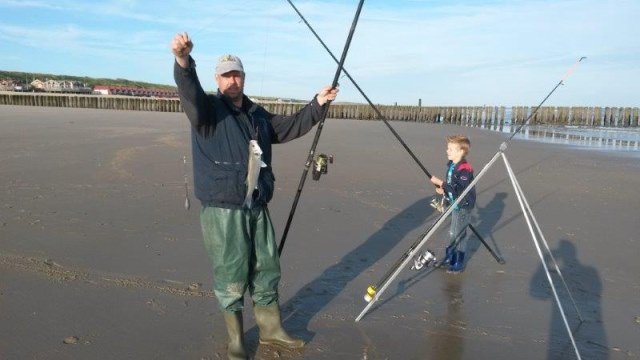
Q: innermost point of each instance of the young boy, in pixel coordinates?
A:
(459, 176)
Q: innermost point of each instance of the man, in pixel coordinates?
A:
(238, 236)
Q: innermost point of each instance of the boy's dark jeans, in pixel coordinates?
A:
(459, 222)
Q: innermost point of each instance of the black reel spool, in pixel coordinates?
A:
(320, 165)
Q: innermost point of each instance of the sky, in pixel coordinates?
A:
(476, 53)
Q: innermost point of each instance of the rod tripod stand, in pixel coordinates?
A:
(531, 221)
(499, 259)
(533, 226)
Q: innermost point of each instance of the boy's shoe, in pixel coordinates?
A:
(448, 255)
(457, 263)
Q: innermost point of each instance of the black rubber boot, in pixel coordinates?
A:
(271, 331)
(235, 350)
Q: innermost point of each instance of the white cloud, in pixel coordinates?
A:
(446, 52)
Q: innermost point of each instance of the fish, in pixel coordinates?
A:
(253, 171)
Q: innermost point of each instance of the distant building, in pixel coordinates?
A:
(66, 86)
(38, 85)
(133, 91)
(13, 85)
(7, 84)
(22, 87)
(101, 90)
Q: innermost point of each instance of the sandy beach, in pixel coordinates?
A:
(100, 260)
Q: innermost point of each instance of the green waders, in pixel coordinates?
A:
(243, 250)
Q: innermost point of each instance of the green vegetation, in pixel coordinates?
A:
(22, 76)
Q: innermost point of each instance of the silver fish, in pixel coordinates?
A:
(253, 171)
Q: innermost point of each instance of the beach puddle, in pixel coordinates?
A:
(615, 139)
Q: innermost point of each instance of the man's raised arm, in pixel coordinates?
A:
(193, 99)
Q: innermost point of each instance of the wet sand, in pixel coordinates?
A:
(97, 249)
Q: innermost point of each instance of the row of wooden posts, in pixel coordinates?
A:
(485, 116)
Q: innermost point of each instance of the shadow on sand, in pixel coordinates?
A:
(488, 217)
(586, 287)
(319, 292)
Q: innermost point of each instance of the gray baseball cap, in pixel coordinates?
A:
(228, 63)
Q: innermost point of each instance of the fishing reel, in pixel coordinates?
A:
(424, 260)
(439, 205)
(320, 165)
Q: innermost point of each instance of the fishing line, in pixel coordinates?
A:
(187, 202)
(264, 55)
(378, 113)
(211, 23)
(325, 110)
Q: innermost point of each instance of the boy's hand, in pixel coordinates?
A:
(439, 191)
(436, 181)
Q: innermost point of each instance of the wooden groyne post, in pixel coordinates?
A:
(494, 117)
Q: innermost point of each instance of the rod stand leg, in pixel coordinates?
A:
(495, 256)
(529, 218)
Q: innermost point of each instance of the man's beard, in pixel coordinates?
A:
(234, 95)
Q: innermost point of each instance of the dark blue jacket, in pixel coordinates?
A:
(220, 135)
(461, 177)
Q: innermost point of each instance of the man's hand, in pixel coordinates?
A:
(326, 94)
(181, 47)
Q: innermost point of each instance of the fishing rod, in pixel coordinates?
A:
(561, 82)
(380, 116)
(374, 292)
(325, 110)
